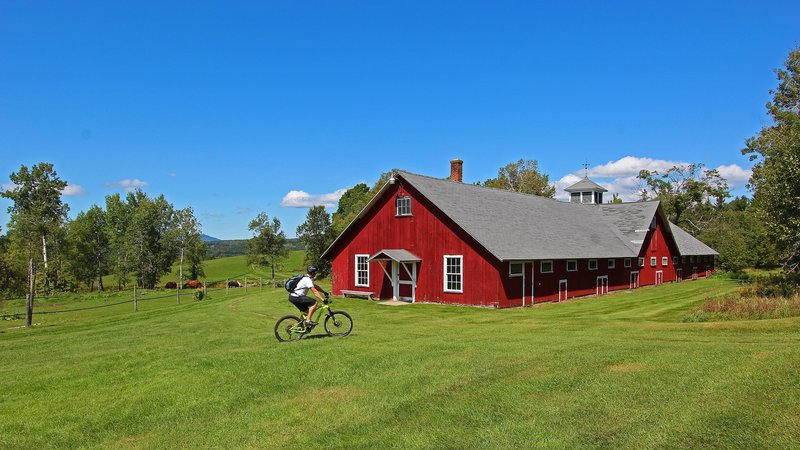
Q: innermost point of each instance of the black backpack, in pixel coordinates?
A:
(291, 283)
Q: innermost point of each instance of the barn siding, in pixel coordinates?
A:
(426, 234)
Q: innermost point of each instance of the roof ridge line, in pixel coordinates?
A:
(479, 186)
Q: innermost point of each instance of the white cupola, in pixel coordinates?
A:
(586, 191)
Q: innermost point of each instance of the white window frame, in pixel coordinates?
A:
(460, 259)
(653, 261)
(574, 262)
(664, 261)
(547, 261)
(404, 209)
(357, 269)
(612, 263)
(641, 261)
(626, 262)
(589, 264)
(511, 273)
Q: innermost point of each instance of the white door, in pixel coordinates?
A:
(602, 286)
(562, 290)
(679, 274)
(659, 277)
(634, 280)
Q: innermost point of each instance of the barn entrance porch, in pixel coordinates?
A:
(401, 268)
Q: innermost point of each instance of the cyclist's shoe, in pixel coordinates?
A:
(311, 323)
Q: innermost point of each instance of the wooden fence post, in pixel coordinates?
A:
(177, 294)
(227, 283)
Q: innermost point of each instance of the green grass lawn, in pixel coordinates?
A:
(619, 371)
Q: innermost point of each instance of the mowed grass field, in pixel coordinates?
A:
(621, 371)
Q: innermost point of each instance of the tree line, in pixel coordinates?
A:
(135, 238)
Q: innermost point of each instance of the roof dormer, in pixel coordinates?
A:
(586, 191)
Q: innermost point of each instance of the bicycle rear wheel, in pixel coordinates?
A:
(288, 329)
(338, 323)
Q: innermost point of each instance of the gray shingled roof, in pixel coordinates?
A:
(515, 226)
(631, 220)
(586, 185)
(522, 227)
(688, 244)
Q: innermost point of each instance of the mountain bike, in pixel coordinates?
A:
(293, 328)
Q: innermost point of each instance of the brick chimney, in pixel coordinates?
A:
(456, 170)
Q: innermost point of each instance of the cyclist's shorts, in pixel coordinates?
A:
(302, 303)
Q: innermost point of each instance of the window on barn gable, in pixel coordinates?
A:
(664, 261)
(515, 269)
(641, 261)
(612, 263)
(653, 261)
(627, 262)
(546, 267)
(592, 264)
(362, 270)
(403, 203)
(453, 273)
(572, 265)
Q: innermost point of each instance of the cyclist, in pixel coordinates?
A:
(302, 301)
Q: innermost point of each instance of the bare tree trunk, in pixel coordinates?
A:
(180, 277)
(31, 292)
(100, 283)
(44, 259)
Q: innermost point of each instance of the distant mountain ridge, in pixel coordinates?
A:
(207, 238)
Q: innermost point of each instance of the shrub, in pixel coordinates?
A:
(743, 306)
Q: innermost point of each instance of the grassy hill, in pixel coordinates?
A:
(620, 371)
(223, 248)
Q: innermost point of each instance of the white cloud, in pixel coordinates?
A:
(128, 184)
(736, 176)
(172, 174)
(7, 187)
(302, 199)
(631, 165)
(73, 190)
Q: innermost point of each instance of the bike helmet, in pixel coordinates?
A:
(312, 269)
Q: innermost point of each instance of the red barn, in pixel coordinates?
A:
(443, 241)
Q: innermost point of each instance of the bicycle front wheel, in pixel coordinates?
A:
(338, 323)
(289, 328)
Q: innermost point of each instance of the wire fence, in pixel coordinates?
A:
(219, 285)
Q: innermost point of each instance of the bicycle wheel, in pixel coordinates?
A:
(338, 323)
(287, 329)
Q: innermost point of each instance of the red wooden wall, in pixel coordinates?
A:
(427, 235)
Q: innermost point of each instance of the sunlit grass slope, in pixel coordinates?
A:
(620, 371)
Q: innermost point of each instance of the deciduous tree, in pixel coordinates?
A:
(350, 204)
(317, 235)
(683, 188)
(36, 212)
(89, 246)
(776, 174)
(190, 246)
(268, 244)
(522, 176)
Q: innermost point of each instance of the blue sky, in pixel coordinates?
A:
(234, 108)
